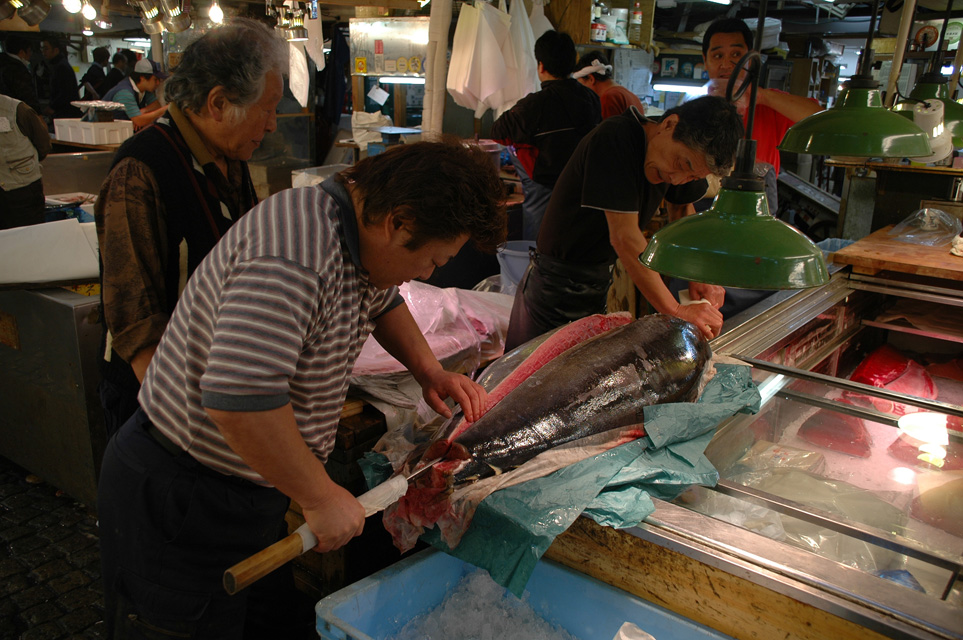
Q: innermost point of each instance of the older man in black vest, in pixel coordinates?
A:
(175, 189)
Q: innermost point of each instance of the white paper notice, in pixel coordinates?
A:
(378, 94)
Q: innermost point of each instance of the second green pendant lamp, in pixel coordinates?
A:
(859, 125)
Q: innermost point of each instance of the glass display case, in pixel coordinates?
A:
(842, 495)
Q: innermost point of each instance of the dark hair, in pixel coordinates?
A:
(443, 189)
(727, 25)
(15, 44)
(55, 42)
(101, 55)
(119, 57)
(136, 76)
(712, 126)
(556, 51)
(586, 61)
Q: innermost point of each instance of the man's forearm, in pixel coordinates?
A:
(270, 443)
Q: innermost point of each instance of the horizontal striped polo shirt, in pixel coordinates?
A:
(277, 312)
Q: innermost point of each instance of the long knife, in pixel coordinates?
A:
(252, 569)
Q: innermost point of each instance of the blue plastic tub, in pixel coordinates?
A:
(380, 605)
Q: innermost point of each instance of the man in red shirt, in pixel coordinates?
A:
(724, 44)
(594, 71)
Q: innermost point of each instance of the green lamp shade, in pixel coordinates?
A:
(859, 126)
(952, 110)
(737, 243)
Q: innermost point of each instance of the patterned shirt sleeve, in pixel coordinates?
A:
(132, 238)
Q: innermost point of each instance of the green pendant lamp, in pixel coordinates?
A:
(858, 125)
(737, 243)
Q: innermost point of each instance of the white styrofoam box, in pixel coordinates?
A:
(86, 132)
(68, 129)
(106, 132)
(770, 31)
(112, 132)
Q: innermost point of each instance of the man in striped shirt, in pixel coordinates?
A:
(241, 402)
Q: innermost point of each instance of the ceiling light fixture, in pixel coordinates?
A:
(72, 6)
(87, 11)
(216, 14)
(737, 243)
(151, 18)
(858, 125)
(678, 87)
(87, 30)
(175, 18)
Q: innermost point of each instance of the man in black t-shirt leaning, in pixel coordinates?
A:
(609, 190)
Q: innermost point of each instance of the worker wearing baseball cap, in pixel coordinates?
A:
(134, 93)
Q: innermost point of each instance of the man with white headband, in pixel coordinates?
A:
(594, 72)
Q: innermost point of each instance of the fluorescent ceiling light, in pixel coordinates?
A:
(721, 1)
(141, 41)
(401, 80)
(691, 89)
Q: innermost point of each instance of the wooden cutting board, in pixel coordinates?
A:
(881, 252)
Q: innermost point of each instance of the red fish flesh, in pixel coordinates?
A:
(598, 385)
(889, 369)
(837, 432)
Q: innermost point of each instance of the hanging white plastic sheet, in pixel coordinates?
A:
(314, 46)
(298, 79)
(540, 22)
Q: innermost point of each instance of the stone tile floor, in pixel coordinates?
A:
(49, 562)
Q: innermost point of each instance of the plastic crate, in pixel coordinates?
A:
(68, 129)
(380, 605)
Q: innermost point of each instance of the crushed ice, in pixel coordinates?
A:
(480, 609)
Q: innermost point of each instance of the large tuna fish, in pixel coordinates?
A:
(599, 384)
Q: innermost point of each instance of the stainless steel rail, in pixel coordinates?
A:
(849, 385)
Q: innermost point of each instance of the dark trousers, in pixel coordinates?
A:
(118, 389)
(22, 207)
(553, 293)
(169, 528)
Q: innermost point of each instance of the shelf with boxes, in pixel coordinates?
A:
(576, 17)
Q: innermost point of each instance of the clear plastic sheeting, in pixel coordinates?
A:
(454, 321)
(927, 226)
(464, 329)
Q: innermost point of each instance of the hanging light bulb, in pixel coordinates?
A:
(87, 11)
(104, 24)
(216, 14)
(87, 30)
(72, 6)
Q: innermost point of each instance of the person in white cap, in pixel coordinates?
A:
(594, 72)
(135, 91)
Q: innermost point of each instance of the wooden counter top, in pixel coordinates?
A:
(881, 252)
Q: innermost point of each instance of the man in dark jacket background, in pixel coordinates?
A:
(15, 78)
(545, 127)
(62, 79)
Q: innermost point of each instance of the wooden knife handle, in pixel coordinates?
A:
(252, 569)
(248, 571)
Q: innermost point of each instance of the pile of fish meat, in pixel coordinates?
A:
(592, 376)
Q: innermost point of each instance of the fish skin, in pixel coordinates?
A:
(597, 385)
